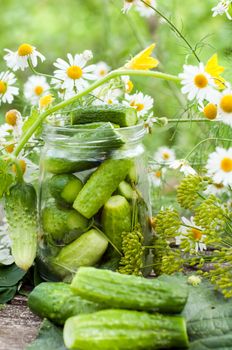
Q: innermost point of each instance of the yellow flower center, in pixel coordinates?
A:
(74, 72)
(210, 111)
(138, 106)
(129, 86)
(226, 103)
(130, 1)
(166, 155)
(200, 81)
(226, 164)
(102, 72)
(158, 173)
(25, 50)
(197, 234)
(9, 148)
(219, 186)
(22, 165)
(45, 101)
(148, 2)
(38, 90)
(3, 87)
(109, 101)
(11, 117)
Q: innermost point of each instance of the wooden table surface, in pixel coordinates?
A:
(18, 325)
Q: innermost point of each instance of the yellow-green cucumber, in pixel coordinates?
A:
(56, 301)
(125, 330)
(125, 189)
(87, 250)
(63, 224)
(20, 205)
(61, 164)
(129, 292)
(117, 114)
(100, 186)
(64, 187)
(116, 218)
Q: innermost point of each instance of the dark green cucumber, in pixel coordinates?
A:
(129, 292)
(56, 301)
(65, 187)
(87, 250)
(62, 165)
(118, 114)
(100, 186)
(125, 330)
(21, 214)
(63, 224)
(116, 218)
(126, 190)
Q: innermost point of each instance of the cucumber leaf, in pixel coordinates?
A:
(50, 337)
(10, 275)
(223, 342)
(7, 293)
(31, 119)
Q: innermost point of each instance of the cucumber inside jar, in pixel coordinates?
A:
(86, 212)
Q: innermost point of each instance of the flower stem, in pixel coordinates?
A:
(206, 140)
(41, 74)
(63, 104)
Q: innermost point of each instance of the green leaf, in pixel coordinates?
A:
(49, 337)
(10, 275)
(6, 178)
(7, 293)
(31, 119)
(223, 342)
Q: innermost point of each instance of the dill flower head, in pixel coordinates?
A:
(187, 192)
(167, 223)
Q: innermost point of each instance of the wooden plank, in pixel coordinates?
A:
(18, 325)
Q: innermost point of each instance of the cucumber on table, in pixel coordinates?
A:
(64, 187)
(21, 214)
(56, 301)
(63, 224)
(125, 330)
(116, 218)
(129, 292)
(117, 114)
(100, 186)
(86, 250)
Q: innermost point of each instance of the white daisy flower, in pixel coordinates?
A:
(198, 84)
(19, 59)
(35, 87)
(183, 166)
(5, 131)
(219, 166)
(144, 9)
(149, 122)
(164, 155)
(215, 189)
(225, 106)
(127, 84)
(106, 96)
(74, 74)
(128, 5)
(156, 176)
(7, 90)
(193, 233)
(5, 245)
(142, 103)
(222, 8)
(101, 69)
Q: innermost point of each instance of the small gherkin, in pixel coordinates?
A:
(132, 248)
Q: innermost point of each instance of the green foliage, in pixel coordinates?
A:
(6, 178)
(10, 276)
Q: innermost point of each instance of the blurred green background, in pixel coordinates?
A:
(57, 27)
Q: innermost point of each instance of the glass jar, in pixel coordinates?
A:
(94, 207)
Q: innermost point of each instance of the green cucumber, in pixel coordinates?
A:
(87, 250)
(129, 292)
(118, 114)
(56, 301)
(63, 224)
(61, 164)
(125, 330)
(116, 218)
(100, 186)
(21, 214)
(65, 187)
(126, 190)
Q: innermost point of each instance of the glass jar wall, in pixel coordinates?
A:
(94, 207)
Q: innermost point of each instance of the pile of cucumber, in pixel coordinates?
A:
(105, 310)
(88, 203)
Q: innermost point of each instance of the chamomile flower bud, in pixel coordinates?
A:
(45, 101)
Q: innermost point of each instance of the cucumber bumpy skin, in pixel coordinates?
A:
(129, 292)
(20, 206)
(100, 186)
(116, 218)
(87, 250)
(125, 330)
(117, 114)
(56, 301)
